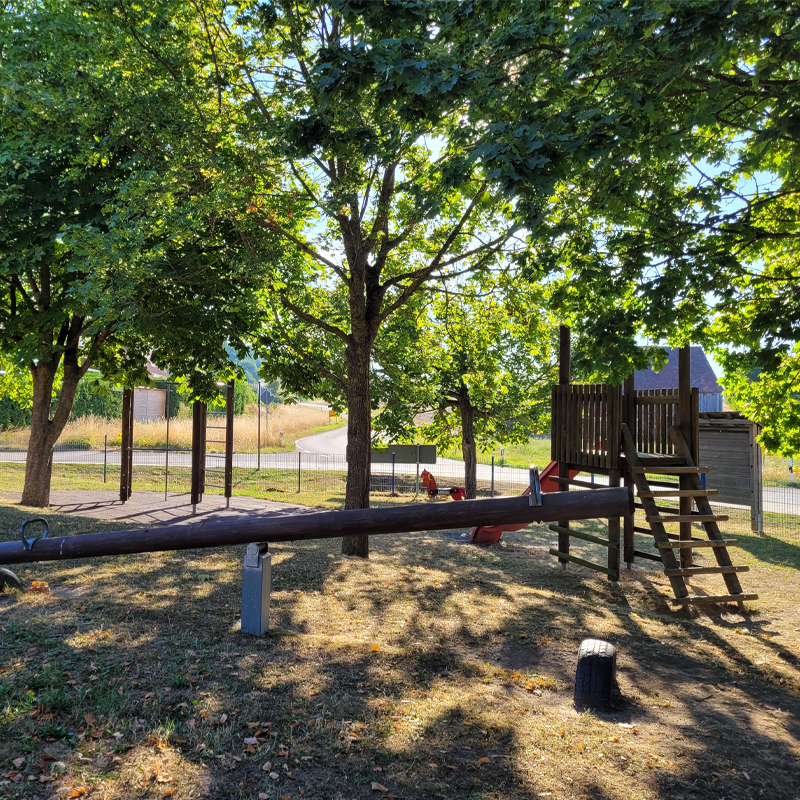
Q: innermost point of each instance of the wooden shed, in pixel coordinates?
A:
(728, 447)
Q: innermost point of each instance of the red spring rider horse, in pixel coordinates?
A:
(429, 482)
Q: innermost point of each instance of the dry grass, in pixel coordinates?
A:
(296, 420)
(435, 669)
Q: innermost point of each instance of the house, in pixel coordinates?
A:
(703, 378)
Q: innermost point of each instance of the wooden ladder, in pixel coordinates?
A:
(668, 544)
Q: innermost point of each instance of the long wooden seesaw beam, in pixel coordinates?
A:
(612, 502)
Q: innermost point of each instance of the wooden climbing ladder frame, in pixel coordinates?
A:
(220, 474)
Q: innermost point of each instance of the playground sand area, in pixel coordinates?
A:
(435, 669)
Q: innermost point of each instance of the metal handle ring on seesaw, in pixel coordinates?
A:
(28, 543)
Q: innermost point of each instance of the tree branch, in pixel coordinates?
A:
(311, 319)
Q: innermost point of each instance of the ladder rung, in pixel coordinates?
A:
(720, 598)
(687, 571)
(214, 469)
(649, 556)
(637, 529)
(216, 441)
(214, 485)
(681, 493)
(678, 538)
(689, 518)
(660, 508)
(698, 543)
(216, 427)
(669, 470)
(667, 484)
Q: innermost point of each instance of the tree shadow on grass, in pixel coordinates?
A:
(439, 691)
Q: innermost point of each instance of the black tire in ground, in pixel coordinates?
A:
(8, 578)
(595, 677)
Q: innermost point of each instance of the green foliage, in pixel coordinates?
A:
(486, 348)
(244, 395)
(13, 415)
(701, 242)
(91, 397)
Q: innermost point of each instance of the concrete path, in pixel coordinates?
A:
(150, 508)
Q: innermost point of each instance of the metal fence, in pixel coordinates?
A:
(315, 479)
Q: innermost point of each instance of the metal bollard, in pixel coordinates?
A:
(256, 580)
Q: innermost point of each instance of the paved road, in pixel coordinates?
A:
(328, 443)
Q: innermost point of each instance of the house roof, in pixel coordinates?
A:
(154, 371)
(703, 376)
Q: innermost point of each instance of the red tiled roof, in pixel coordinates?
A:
(154, 371)
(703, 376)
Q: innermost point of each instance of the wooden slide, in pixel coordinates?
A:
(491, 534)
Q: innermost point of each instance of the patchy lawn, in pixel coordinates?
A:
(435, 669)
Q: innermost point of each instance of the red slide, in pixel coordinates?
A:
(490, 534)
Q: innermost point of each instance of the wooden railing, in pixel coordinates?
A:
(586, 423)
(656, 410)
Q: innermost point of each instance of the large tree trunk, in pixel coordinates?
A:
(44, 430)
(468, 447)
(359, 436)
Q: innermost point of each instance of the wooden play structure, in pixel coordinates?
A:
(648, 440)
(219, 423)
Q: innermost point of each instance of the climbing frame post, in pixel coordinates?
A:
(126, 447)
(198, 452)
(687, 429)
(563, 464)
(629, 419)
(229, 408)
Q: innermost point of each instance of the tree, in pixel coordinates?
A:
(708, 251)
(416, 141)
(110, 251)
(482, 358)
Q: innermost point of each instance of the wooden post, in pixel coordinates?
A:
(563, 355)
(629, 419)
(198, 451)
(229, 445)
(613, 532)
(402, 519)
(563, 466)
(126, 447)
(687, 429)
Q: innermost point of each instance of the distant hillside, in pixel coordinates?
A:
(271, 392)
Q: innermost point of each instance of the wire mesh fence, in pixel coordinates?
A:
(318, 479)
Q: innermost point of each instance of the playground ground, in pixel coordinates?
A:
(435, 669)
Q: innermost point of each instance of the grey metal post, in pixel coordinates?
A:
(492, 494)
(259, 425)
(105, 456)
(393, 457)
(299, 455)
(256, 580)
(416, 484)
